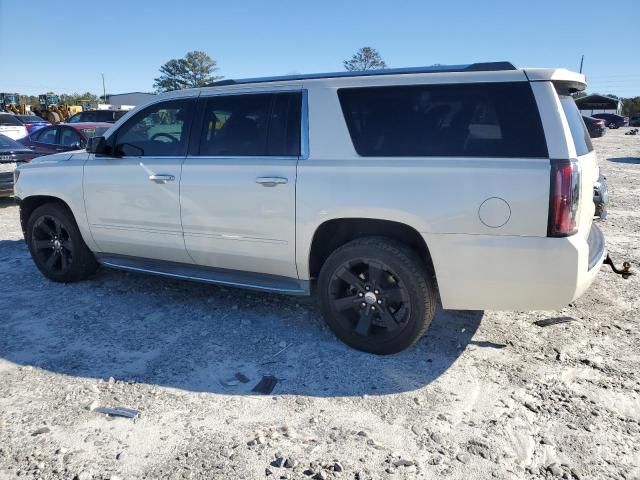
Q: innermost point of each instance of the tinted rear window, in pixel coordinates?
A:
(478, 120)
(30, 118)
(579, 132)
(9, 120)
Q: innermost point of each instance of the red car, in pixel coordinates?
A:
(63, 137)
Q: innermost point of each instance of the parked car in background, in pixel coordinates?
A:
(12, 154)
(108, 116)
(32, 122)
(595, 126)
(612, 120)
(63, 137)
(384, 193)
(634, 121)
(12, 127)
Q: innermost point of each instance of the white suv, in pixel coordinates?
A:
(379, 191)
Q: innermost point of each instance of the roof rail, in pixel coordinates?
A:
(473, 67)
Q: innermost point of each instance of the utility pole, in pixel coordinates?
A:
(104, 90)
(581, 62)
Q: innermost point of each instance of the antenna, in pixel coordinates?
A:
(581, 62)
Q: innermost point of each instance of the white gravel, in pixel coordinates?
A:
(483, 395)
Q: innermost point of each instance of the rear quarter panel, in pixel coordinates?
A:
(435, 196)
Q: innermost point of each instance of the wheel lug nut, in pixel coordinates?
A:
(363, 304)
(367, 288)
(373, 307)
(361, 294)
(379, 301)
(376, 292)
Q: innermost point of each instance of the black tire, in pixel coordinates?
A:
(613, 125)
(56, 245)
(385, 322)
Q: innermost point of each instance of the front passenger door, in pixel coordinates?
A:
(132, 198)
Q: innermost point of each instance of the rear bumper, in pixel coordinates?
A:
(481, 272)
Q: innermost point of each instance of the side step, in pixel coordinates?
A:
(217, 276)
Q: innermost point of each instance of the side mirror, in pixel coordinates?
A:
(96, 145)
(128, 150)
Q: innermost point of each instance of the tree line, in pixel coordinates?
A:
(198, 69)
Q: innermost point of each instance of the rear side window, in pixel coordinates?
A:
(455, 120)
(251, 125)
(579, 132)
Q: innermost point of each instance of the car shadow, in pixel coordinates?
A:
(631, 160)
(202, 338)
(7, 202)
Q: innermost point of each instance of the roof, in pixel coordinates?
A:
(473, 67)
(129, 93)
(597, 98)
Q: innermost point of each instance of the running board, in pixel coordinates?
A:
(217, 276)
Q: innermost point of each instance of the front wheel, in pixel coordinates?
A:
(56, 245)
(376, 295)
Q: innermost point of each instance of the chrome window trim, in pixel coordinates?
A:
(304, 123)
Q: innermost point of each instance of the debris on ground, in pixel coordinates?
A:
(553, 321)
(118, 412)
(266, 385)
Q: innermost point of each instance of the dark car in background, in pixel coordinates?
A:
(612, 120)
(11, 155)
(32, 122)
(596, 126)
(634, 121)
(63, 137)
(109, 116)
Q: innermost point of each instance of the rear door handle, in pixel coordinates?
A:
(271, 181)
(162, 178)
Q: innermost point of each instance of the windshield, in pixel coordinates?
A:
(579, 131)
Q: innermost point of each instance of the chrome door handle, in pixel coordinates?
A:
(271, 181)
(162, 178)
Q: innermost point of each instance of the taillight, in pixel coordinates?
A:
(601, 123)
(564, 197)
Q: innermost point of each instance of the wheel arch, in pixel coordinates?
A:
(336, 232)
(29, 204)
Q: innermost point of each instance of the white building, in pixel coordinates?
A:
(131, 99)
(598, 104)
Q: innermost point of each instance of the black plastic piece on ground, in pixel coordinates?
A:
(266, 385)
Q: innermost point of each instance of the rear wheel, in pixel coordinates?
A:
(56, 245)
(376, 295)
(613, 125)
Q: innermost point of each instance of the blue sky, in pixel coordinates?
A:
(130, 40)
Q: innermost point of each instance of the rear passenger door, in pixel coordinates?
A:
(237, 193)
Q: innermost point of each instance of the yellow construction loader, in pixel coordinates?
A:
(52, 110)
(10, 103)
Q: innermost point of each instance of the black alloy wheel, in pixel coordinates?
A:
(53, 245)
(377, 295)
(369, 298)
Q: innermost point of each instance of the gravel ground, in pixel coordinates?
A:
(483, 395)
